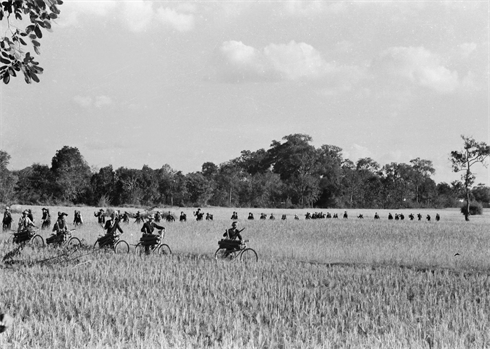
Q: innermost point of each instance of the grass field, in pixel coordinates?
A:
(355, 283)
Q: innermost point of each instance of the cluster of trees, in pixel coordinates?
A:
(291, 173)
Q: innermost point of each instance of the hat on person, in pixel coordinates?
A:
(150, 216)
(234, 223)
(25, 212)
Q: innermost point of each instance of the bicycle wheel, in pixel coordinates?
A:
(74, 242)
(164, 250)
(249, 255)
(121, 247)
(223, 254)
(37, 241)
(140, 249)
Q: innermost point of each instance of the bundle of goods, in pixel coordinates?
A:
(149, 239)
(229, 244)
(22, 236)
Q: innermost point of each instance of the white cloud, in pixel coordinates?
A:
(180, 21)
(291, 61)
(297, 60)
(418, 65)
(101, 101)
(138, 15)
(83, 101)
(72, 9)
(467, 48)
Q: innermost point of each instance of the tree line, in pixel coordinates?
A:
(291, 173)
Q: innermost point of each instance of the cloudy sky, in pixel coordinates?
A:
(181, 83)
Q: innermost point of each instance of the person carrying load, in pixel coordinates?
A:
(232, 238)
(59, 229)
(110, 226)
(148, 239)
(24, 230)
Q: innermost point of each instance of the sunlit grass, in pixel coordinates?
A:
(318, 284)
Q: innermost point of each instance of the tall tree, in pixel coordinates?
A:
(423, 169)
(295, 162)
(7, 179)
(462, 161)
(71, 174)
(38, 15)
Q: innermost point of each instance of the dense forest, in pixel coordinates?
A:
(291, 173)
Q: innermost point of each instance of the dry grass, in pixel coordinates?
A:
(318, 284)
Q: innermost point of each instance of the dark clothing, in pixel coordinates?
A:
(111, 226)
(149, 227)
(233, 234)
(60, 227)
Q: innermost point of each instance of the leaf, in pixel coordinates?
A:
(36, 49)
(4, 61)
(12, 72)
(38, 31)
(34, 76)
(36, 43)
(6, 78)
(27, 78)
(22, 41)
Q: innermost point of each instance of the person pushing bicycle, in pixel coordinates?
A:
(148, 239)
(233, 237)
(60, 230)
(110, 226)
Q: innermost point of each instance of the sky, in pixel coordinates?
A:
(133, 83)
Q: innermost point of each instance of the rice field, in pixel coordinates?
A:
(318, 284)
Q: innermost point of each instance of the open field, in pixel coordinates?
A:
(318, 284)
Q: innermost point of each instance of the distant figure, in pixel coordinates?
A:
(307, 215)
(263, 216)
(345, 215)
(158, 217)
(45, 219)
(125, 217)
(209, 217)
(77, 218)
(335, 215)
(234, 215)
(272, 216)
(199, 214)
(7, 219)
(138, 218)
(390, 216)
(250, 216)
(60, 230)
(329, 215)
(183, 217)
(30, 215)
(402, 217)
(419, 216)
(411, 216)
(397, 217)
(361, 216)
(100, 216)
(438, 218)
(296, 217)
(376, 216)
(169, 217)
(283, 217)
(428, 218)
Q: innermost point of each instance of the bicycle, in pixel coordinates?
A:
(25, 237)
(65, 240)
(158, 247)
(231, 250)
(112, 243)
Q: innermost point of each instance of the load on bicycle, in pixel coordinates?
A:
(232, 239)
